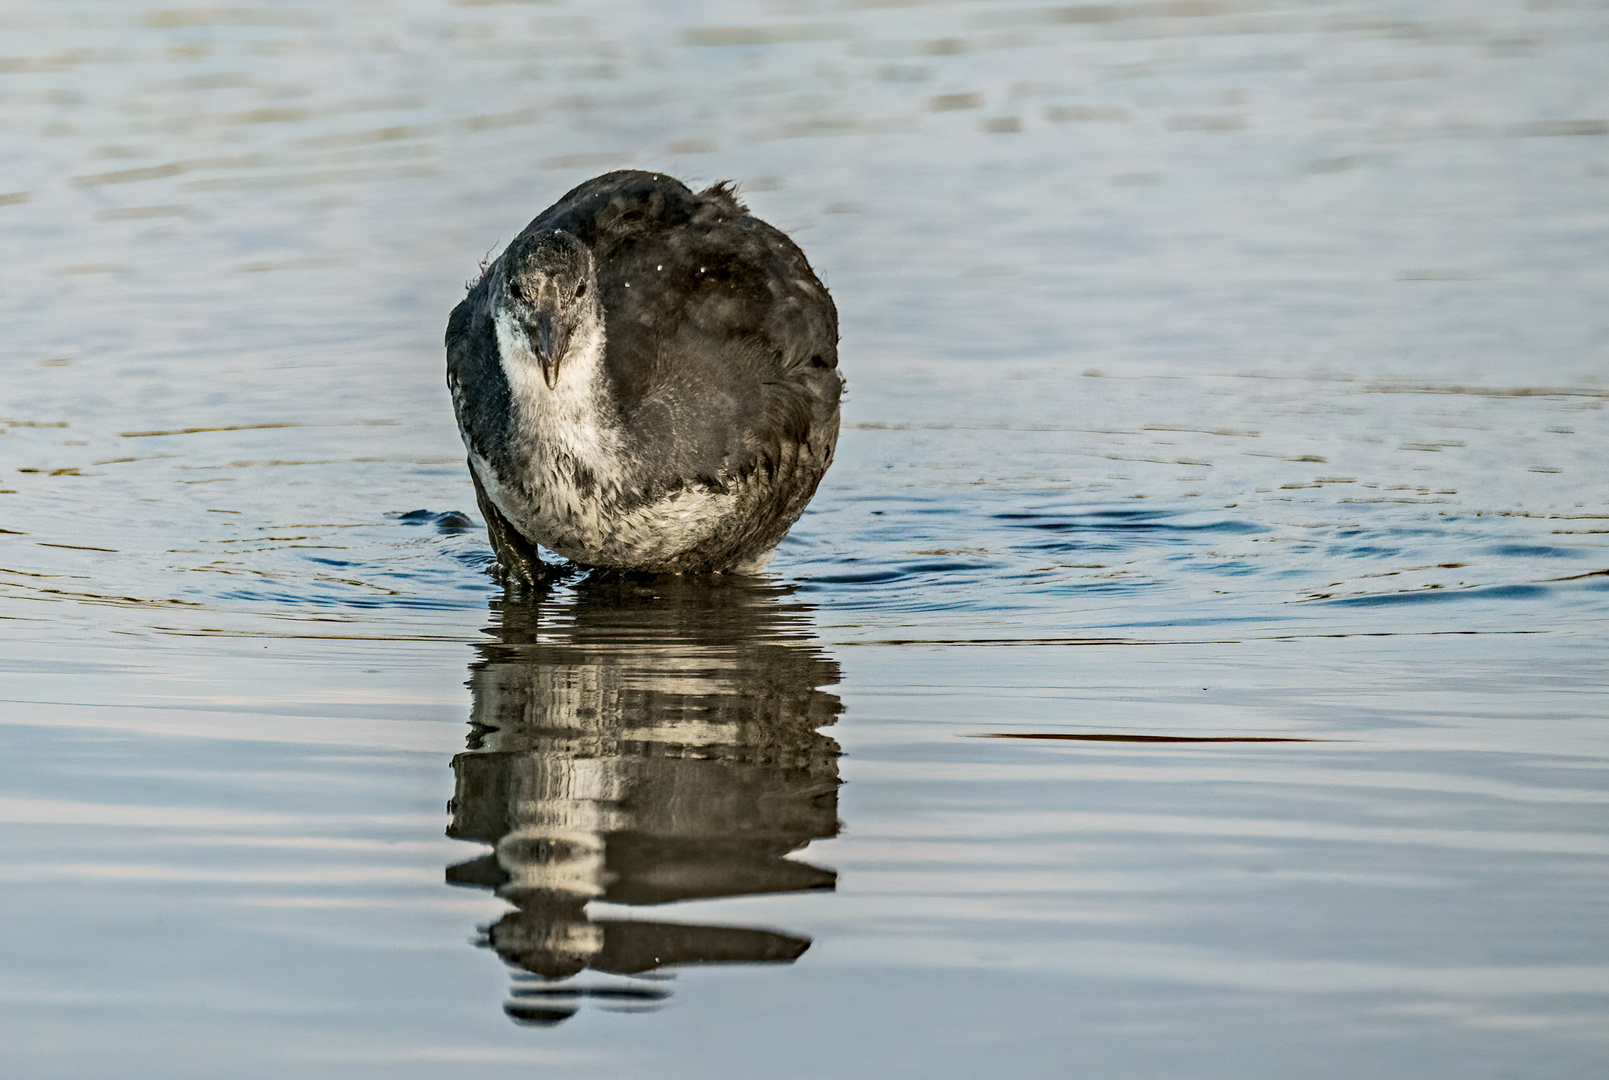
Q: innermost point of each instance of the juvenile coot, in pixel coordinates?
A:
(646, 379)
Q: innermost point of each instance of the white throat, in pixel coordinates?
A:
(575, 419)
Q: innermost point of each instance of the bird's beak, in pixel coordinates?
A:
(551, 341)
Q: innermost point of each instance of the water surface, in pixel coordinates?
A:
(1192, 666)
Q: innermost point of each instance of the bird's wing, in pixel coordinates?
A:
(722, 344)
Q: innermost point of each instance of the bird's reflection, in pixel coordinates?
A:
(641, 742)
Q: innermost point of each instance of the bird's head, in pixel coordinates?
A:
(549, 285)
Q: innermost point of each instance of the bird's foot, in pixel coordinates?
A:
(520, 574)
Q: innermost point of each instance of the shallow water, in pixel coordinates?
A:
(1192, 666)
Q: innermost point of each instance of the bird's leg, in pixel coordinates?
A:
(518, 562)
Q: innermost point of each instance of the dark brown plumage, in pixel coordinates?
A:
(645, 379)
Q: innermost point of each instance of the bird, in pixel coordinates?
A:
(646, 380)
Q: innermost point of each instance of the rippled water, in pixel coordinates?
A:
(1193, 665)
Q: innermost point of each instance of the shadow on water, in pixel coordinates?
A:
(642, 742)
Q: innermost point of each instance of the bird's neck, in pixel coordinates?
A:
(573, 423)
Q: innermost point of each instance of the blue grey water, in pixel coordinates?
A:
(1221, 372)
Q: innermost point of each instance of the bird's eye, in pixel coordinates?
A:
(581, 290)
(515, 291)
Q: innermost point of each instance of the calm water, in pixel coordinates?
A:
(1194, 665)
